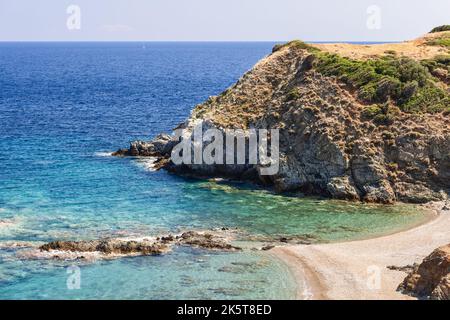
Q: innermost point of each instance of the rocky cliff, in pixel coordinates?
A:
(430, 279)
(367, 123)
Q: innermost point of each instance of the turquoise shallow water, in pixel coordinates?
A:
(62, 106)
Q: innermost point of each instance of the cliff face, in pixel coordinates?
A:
(431, 279)
(380, 137)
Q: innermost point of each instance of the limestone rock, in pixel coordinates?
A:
(342, 188)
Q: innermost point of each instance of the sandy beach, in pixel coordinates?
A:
(359, 269)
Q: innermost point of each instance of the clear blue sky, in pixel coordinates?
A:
(220, 20)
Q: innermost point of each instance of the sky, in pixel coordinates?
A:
(219, 20)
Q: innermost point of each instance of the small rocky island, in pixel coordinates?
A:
(369, 123)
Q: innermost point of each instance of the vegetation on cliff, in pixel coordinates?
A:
(390, 81)
(413, 86)
(445, 27)
(294, 43)
(442, 39)
(405, 82)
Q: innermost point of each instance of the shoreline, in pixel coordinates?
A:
(358, 269)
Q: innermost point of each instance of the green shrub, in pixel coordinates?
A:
(387, 135)
(408, 90)
(443, 42)
(380, 114)
(294, 94)
(370, 112)
(403, 81)
(295, 43)
(367, 93)
(441, 61)
(383, 119)
(445, 27)
(428, 99)
(391, 52)
(299, 44)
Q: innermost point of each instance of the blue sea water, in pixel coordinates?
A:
(64, 106)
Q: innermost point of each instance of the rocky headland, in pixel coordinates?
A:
(356, 122)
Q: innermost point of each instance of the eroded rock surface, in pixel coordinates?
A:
(157, 246)
(430, 279)
(111, 246)
(205, 241)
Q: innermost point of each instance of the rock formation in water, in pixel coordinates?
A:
(149, 246)
(430, 279)
(368, 123)
(109, 246)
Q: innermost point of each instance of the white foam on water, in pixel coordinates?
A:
(12, 244)
(103, 154)
(147, 163)
(9, 226)
(6, 223)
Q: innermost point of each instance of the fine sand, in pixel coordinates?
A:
(358, 269)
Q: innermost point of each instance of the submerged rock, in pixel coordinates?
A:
(430, 279)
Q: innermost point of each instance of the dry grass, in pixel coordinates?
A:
(418, 49)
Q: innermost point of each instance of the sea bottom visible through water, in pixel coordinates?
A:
(174, 206)
(65, 106)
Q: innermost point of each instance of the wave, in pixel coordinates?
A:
(14, 244)
(44, 162)
(103, 154)
(8, 223)
(147, 163)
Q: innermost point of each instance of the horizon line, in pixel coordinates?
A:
(195, 41)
